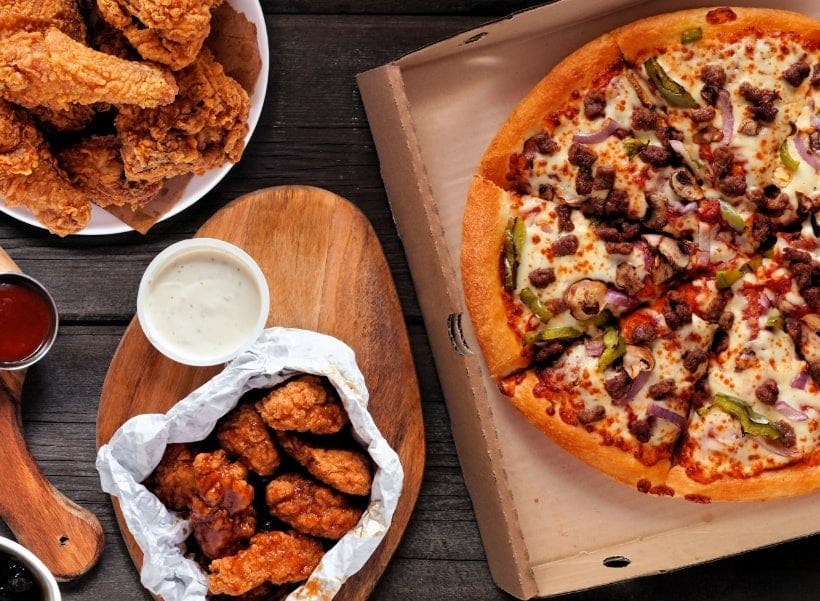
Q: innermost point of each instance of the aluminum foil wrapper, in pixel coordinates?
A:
(137, 447)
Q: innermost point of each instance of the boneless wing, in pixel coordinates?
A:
(50, 69)
(173, 481)
(310, 507)
(243, 433)
(275, 557)
(346, 470)
(30, 177)
(202, 129)
(304, 404)
(170, 32)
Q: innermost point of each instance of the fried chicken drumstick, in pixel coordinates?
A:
(30, 177)
(51, 69)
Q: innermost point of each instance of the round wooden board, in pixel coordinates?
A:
(326, 272)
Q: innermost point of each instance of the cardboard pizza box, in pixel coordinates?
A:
(549, 523)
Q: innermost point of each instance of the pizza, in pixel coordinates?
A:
(640, 259)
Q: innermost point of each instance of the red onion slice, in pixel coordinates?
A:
(812, 159)
(648, 257)
(704, 244)
(790, 412)
(776, 449)
(727, 116)
(638, 383)
(594, 348)
(800, 381)
(619, 299)
(689, 208)
(662, 412)
(609, 128)
(815, 121)
(764, 301)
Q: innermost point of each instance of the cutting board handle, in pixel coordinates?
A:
(66, 537)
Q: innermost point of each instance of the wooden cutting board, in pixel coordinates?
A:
(66, 537)
(326, 272)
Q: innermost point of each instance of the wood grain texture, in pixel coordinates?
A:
(313, 130)
(326, 272)
(66, 537)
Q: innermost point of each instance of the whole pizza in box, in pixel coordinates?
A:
(640, 254)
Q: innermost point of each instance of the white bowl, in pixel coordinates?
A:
(202, 301)
(102, 222)
(38, 569)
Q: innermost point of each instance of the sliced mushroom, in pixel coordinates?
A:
(637, 359)
(674, 253)
(658, 211)
(585, 298)
(685, 185)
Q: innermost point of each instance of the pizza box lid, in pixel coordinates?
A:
(549, 523)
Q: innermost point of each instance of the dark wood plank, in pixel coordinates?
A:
(490, 8)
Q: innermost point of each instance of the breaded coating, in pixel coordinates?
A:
(75, 118)
(243, 433)
(51, 69)
(304, 404)
(275, 557)
(39, 15)
(203, 128)
(95, 168)
(222, 513)
(346, 470)
(170, 32)
(30, 177)
(310, 507)
(173, 479)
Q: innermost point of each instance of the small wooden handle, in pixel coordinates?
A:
(66, 537)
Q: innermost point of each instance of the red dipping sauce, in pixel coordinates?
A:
(26, 322)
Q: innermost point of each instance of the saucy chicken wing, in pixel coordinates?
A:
(95, 168)
(222, 512)
(48, 68)
(275, 557)
(170, 32)
(310, 507)
(30, 177)
(243, 433)
(304, 404)
(173, 481)
(202, 129)
(345, 470)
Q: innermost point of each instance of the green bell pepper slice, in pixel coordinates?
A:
(691, 35)
(751, 422)
(548, 334)
(614, 348)
(732, 217)
(529, 298)
(674, 93)
(514, 237)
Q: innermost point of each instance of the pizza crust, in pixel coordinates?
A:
(485, 220)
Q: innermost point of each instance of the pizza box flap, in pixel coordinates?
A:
(549, 523)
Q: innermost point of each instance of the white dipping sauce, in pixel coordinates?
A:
(203, 303)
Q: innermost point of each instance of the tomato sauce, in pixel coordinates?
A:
(25, 322)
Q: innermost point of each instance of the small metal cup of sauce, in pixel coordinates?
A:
(28, 320)
(202, 301)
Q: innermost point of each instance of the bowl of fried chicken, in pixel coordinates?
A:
(115, 114)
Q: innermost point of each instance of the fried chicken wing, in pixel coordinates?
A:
(345, 470)
(170, 32)
(310, 507)
(51, 69)
(222, 513)
(275, 557)
(95, 168)
(39, 15)
(243, 433)
(173, 480)
(304, 404)
(203, 128)
(30, 177)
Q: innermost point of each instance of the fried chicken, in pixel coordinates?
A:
(51, 69)
(95, 168)
(275, 557)
(345, 470)
(222, 512)
(203, 128)
(30, 177)
(173, 481)
(243, 433)
(310, 507)
(39, 15)
(170, 32)
(304, 404)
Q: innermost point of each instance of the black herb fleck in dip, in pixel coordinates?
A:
(17, 583)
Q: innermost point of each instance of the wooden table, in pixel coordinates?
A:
(313, 131)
